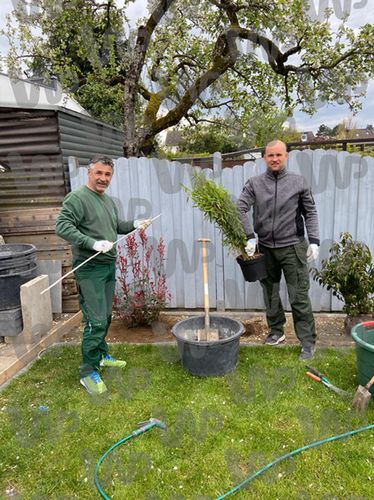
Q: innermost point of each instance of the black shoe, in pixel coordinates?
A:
(307, 352)
(275, 338)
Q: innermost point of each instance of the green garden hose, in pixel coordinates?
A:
(144, 427)
(153, 422)
(291, 454)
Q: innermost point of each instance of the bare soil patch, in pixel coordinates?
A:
(330, 330)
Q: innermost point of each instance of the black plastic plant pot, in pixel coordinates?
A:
(208, 358)
(253, 269)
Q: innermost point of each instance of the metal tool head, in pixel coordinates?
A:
(203, 335)
(361, 399)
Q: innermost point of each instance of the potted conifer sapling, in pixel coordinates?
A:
(218, 207)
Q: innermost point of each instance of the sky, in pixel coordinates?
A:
(360, 12)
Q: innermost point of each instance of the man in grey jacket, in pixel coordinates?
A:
(283, 205)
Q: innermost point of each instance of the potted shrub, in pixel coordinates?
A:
(349, 274)
(217, 206)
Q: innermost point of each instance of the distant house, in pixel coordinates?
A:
(172, 140)
(363, 133)
(358, 133)
(307, 137)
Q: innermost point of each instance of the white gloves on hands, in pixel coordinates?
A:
(142, 223)
(250, 247)
(103, 246)
(312, 252)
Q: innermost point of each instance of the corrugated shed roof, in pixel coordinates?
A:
(19, 93)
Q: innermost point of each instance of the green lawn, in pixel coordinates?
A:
(220, 430)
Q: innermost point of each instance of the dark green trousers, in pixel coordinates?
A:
(96, 283)
(292, 261)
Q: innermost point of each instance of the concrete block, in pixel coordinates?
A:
(53, 269)
(36, 308)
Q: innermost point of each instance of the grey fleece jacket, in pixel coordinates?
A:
(281, 203)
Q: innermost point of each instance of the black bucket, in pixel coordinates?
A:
(253, 269)
(16, 257)
(208, 358)
(17, 266)
(10, 285)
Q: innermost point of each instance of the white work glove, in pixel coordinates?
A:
(312, 252)
(142, 223)
(250, 247)
(103, 246)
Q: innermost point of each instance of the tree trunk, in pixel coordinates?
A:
(138, 142)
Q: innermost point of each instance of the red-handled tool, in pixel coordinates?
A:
(314, 377)
(326, 383)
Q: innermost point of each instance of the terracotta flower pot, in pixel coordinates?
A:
(253, 269)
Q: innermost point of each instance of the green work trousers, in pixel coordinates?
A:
(96, 283)
(292, 261)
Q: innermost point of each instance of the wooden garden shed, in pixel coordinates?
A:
(41, 130)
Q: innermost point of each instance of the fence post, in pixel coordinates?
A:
(220, 288)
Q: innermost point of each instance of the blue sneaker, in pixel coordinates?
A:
(93, 383)
(111, 362)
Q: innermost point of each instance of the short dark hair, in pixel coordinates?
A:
(105, 160)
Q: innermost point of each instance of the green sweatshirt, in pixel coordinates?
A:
(87, 217)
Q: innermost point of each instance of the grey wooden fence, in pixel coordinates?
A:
(343, 188)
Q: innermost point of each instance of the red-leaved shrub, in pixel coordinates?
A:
(141, 291)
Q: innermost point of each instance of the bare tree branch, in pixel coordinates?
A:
(203, 120)
(213, 106)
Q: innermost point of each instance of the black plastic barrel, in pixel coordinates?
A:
(10, 285)
(17, 266)
(16, 257)
(208, 358)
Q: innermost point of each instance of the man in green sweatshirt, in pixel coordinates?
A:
(89, 221)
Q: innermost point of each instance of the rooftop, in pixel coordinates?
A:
(22, 93)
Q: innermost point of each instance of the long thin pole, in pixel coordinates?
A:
(206, 287)
(92, 257)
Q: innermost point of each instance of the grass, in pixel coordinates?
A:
(219, 429)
